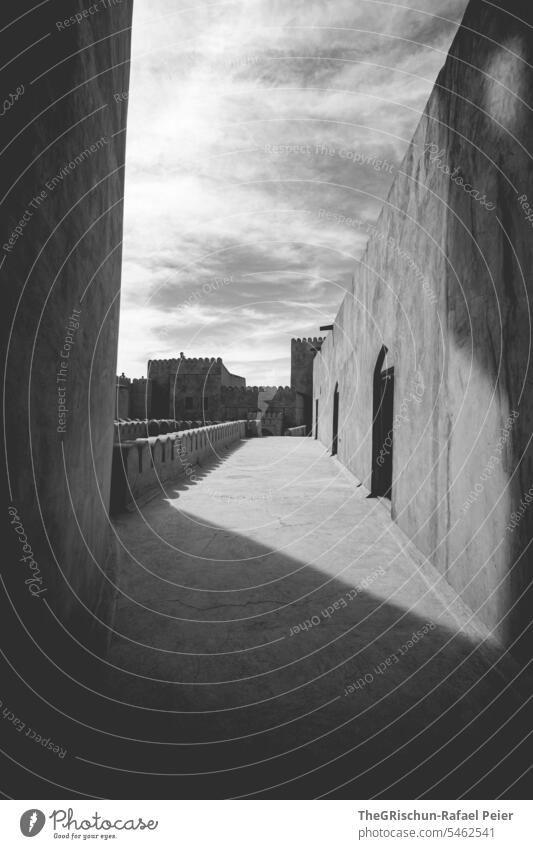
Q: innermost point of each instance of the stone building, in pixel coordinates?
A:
(189, 388)
(203, 389)
(140, 397)
(278, 407)
(423, 386)
(303, 352)
(244, 402)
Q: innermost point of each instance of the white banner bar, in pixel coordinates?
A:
(264, 824)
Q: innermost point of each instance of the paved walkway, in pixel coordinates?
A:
(281, 641)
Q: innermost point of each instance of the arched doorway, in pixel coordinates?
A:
(335, 437)
(382, 426)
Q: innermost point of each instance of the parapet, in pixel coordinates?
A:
(160, 366)
(245, 390)
(315, 340)
(239, 390)
(144, 463)
(176, 363)
(197, 361)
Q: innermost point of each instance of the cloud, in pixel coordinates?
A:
(245, 119)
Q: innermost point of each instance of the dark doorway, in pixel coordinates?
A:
(382, 427)
(335, 439)
(308, 413)
(316, 419)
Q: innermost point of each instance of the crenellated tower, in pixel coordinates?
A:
(303, 352)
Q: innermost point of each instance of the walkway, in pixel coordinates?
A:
(281, 641)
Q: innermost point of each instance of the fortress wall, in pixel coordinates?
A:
(140, 398)
(147, 463)
(238, 401)
(197, 377)
(445, 285)
(203, 386)
(123, 402)
(303, 352)
(228, 379)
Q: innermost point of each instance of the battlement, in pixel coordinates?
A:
(194, 361)
(122, 380)
(239, 390)
(146, 454)
(315, 340)
(176, 363)
(158, 366)
(303, 352)
(244, 390)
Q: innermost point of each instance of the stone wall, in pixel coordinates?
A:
(287, 403)
(62, 181)
(301, 430)
(195, 391)
(199, 379)
(229, 379)
(158, 373)
(240, 402)
(444, 285)
(123, 393)
(303, 352)
(140, 398)
(253, 428)
(281, 403)
(272, 424)
(144, 464)
(124, 431)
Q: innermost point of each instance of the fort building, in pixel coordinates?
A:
(303, 352)
(189, 387)
(202, 389)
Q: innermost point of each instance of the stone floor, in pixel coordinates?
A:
(265, 646)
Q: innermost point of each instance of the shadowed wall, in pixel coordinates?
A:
(61, 229)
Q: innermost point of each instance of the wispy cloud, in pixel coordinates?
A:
(245, 119)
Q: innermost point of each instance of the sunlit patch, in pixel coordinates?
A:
(504, 82)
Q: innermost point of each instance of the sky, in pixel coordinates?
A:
(246, 121)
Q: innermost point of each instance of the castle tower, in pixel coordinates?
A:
(303, 352)
(141, 398)
(123, 399)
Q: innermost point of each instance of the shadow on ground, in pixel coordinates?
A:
(213, 689)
